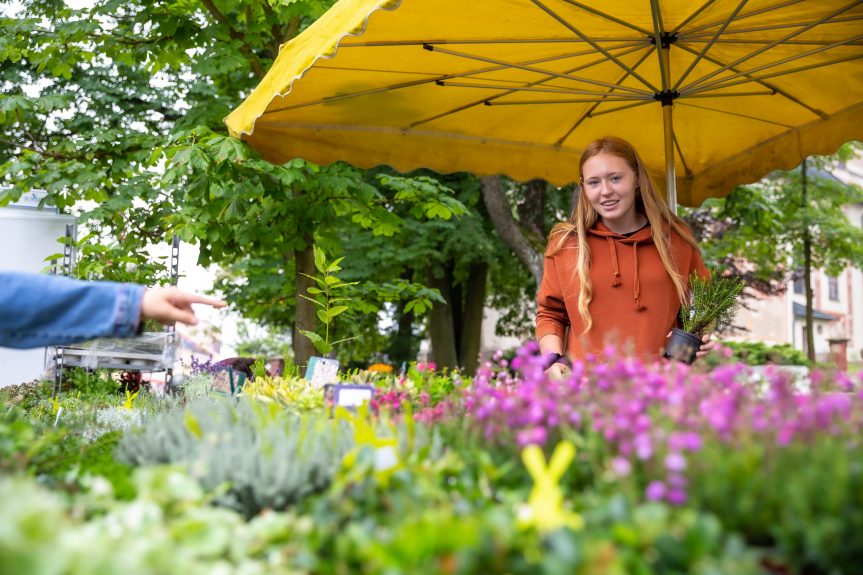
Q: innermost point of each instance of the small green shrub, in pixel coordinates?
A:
(760, 353)
(99, 382)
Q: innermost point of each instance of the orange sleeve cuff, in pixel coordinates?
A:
(550, 328)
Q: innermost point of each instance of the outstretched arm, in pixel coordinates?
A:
(40, 310)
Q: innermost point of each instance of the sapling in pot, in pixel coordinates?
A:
(713, 302)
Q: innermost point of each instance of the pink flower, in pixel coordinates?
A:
(675, 462)
(621, 466)
(426, 366)
(643, 447)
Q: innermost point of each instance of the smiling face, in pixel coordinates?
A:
(610, 187)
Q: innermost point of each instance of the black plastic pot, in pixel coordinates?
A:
(682, 346)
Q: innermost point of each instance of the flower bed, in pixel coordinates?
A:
(624, 467)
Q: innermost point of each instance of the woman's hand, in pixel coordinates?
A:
(706, 347)
(558, 371)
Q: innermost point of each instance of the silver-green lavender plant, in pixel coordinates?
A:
(258, 456)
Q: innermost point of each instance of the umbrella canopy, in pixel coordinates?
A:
(730, 89)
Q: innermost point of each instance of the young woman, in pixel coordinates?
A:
(616, 273)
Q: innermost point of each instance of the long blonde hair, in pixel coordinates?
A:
(648, 201)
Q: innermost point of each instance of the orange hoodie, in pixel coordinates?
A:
(634, 303)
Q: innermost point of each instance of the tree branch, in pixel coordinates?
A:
(236, 35)
(501, 216)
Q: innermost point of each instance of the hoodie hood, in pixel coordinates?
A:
(616, 241)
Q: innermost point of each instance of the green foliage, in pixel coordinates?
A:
(804, 501)
(713, 302)
(760, 353)
(264, 457)
(59, 456)
(97, 383)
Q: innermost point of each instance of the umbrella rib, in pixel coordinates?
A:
(534, 70)
(567, 40)
(553, 89)
(686, 169)
(722, 81)
(573, 101)
(788, 43)
(427, 80)
(747, 15)
(587, 113)
(692, 16)
(609, 17)
(795, 70)
(747, 116)
(617, 109)
(760, 81)
(710, 44)
(696, 37)
(731, 94)
(771, 45)
(592, 43)
(487, 101)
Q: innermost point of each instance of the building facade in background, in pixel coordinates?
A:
(837, 302)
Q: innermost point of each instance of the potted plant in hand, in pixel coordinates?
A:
(712, 302)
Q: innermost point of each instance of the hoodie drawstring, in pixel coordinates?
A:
(611, 248)
(639, 305)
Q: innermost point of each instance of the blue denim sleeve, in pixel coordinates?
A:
(40, 310)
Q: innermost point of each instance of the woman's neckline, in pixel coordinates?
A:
(633, 232)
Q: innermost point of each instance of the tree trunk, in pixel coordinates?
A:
(441, 329)
(500, 213)
(474, 307)
(456, 306)
(807, 264)
(531, 212)
(305, 264)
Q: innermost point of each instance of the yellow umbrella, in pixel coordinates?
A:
(730, 89)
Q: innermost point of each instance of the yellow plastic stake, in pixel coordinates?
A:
(544, 509)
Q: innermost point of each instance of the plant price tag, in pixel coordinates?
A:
(322, 370)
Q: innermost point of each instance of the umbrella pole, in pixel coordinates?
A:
(667, 99)
(670, 173)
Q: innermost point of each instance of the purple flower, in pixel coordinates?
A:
(676, 496)
(685, 440)
(655, 491)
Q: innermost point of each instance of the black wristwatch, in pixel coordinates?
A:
(554, 357)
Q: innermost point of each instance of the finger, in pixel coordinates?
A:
(183, 316)
(190, 298)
